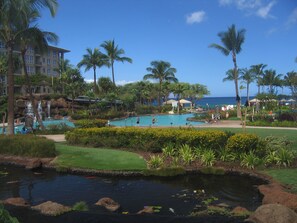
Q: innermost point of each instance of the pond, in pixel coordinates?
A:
(176, 196)
(160, 120)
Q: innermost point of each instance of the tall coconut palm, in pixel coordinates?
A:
(196, 92)
(163, 72)
(247, 76)
(258, 71)
(232, 41)
(113, 54)
(12, 13)
(38, 39)
(93, 59)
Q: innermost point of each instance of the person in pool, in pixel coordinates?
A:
(154, 120)
(138, 120)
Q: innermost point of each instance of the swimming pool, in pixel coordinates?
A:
(161, 120)
(46, 123)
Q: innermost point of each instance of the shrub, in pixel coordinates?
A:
(27, 145)
(285, 157)
(208, 158)
(169, 150)
(186, 154)
(55, 129)
(288, 116)
(145, 109)
(148, 139)
(226, 156)
(155, 162)
(250, 160)
(242, 142)
(88, 123)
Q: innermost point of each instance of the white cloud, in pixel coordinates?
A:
(292, 20)
(123, 82)
(89, 80)
(242, 4)
(263, 12)
(196, 17)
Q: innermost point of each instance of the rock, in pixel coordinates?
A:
(240, 211)
(146, 210)
(275, 194)
(108, 203)
(51, 208)
(273, 213)
(16, 201)
(34, 164)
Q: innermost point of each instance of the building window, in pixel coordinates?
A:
(43, 60)
(55, 54)
(54, 62)
(48, 61)
(31, 59)
(48, 70)
(27, 59)
(49, 53)
(43, 70)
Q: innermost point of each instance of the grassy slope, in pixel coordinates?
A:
(285, 176)
(99, 159)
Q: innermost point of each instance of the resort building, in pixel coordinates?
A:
(36, 63)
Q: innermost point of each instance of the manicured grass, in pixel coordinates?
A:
(98, 159)
(285, 176)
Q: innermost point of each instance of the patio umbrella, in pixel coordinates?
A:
(169, 102)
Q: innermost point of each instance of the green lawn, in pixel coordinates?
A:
(98, 159)
(285, 176)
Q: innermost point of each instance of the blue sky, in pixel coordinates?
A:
(180, 32)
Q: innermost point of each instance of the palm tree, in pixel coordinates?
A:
(178, 89)
(12, 13)
(93, 59)
(105, 85)
(291, 82)
(232, 41)
(248, 77)
(196, 91)
(258, 71)
(272, 80)
(34, 37)
(113, 53)
(63, 66)
(163, 72)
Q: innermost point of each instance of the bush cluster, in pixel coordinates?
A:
(150, 139)
(27, 145)
(87, 123)
(242, 142)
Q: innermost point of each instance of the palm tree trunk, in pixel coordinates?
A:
(236, 85)
(112, 72)
(28, 82)
(94, 68)
(159, 96)
(10, 82)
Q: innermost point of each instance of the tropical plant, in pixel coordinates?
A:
(113, 53)
(291, 81)
(178, 89)
(80, 206)
(12, 15)
(258, 71)
(272, 80)
(186, 153)
(232, 41)
(74, 84)
(196, 92)
(247, 76)
(271, 158)
(163, 72)
(105, 85)
(169, 150)
(208, 157)
(5, 217)
(226, 156)
(155, 162)
(285, 157)
(63, 66)
(250, 160)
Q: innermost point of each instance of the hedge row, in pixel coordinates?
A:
(87, 123)
(149, 139)
(27, 145)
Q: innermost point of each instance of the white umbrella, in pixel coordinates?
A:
(291, 100)
(183, 101)
(255, 100)
(169, 102)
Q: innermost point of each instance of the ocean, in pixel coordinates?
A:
(213, 101)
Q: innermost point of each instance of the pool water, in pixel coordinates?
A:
(46, 123)
(161, 120)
